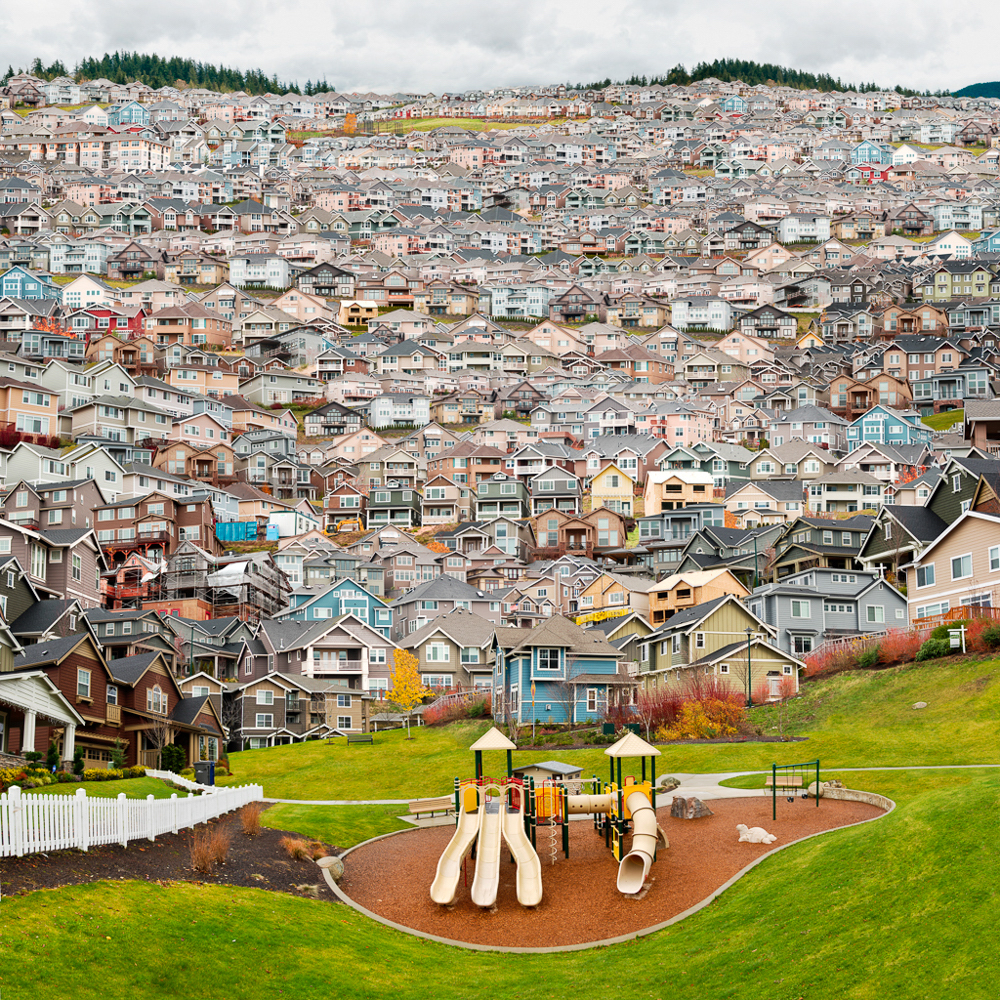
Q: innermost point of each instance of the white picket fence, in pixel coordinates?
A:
(33, 823)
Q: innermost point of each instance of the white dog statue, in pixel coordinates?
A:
(755, 835)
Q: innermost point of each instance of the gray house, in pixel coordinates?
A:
(503, 495)
(555, 489)
(813, 424)
(810, 607)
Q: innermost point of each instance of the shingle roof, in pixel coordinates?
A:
(48, 652)
(40, 616)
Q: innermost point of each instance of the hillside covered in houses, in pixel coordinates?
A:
(297, 381)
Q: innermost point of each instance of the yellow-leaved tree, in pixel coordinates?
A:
(407, 690)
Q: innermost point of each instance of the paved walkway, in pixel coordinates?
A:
(703, 786)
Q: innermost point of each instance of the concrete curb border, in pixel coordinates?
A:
(622, 938)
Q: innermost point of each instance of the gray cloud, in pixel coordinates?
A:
(450, 45)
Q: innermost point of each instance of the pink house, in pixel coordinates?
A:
(681, 426)
(199, 429)
(745, 348)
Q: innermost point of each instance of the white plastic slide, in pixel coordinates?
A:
(635, 865)
(487, 879)
(529, 868)
(449, 869)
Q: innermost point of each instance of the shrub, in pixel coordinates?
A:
(831, 660)
(787, 688)
(990, 636)
(34, 756)
(761, 692)
(933, 648)
(868, 657)
(52, 757)
(209, 847)
(296, 848)
(943, 631)
(118, 754)
(78, 765)
(173, 758)
(707, 719)
(250, 818)
(898, 646)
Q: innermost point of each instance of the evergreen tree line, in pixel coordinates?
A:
(750, 72)
(156, 71)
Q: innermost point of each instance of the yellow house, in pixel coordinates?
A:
(613, 489)
(810, 339)
(612, 593)
(687, 590)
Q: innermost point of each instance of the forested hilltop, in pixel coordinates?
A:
(749, 72)
(156, 71)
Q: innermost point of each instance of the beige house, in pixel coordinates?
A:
(455, 651)
(676, 489)
(687, 590)
(613, 489)
(960, 569)
(610, 592)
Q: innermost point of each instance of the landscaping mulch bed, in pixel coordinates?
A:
(580, 900)
(257, 862)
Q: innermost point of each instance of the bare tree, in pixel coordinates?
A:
(646, 709)
(232, 717)
(513, 725)
(158, 733)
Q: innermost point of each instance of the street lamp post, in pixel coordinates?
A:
(749, 632)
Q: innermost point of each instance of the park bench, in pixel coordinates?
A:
(423, 807)
(360, 738)
(785, 781)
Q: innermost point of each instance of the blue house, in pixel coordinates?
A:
(735, 103)
(871, 152)
(556, 672)
(124, 115)
(20, 283)
(987, 243)
(882, 425)
(341, 598)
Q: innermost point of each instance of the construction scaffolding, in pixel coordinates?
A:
(248, 586)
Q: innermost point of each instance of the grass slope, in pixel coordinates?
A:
(942, 421)
(902, 908)
(134, 788)
(852, 720)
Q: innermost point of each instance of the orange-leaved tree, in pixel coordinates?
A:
(407, 690)
(437, 547)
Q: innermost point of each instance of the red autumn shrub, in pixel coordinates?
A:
(761, 693)
(787, 688)
(898, 646)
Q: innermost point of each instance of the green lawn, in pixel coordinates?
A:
(901, 908)
(942, 421)
(342, 826)
(134, 788)
(852, 720)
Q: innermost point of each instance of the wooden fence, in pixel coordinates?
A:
(30, 823)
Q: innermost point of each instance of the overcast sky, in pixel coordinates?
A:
(424, 46)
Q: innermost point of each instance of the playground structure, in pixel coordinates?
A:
(515, 811)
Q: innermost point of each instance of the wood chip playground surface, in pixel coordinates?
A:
(581, 904)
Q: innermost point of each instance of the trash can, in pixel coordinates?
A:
(204, 772)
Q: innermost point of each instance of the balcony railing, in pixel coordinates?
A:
(113, 715)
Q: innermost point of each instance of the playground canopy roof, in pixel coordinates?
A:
(631, 745)
(494, 740)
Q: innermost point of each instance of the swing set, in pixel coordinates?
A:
(789, 780)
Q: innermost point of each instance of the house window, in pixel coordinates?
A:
(77, 568)
(470, 654)
(723, 668)
(112, 695)
(264, 721)
(437, 652)
(699, 640)
(591, 699)
(961, 567)
(875, 614)
(800, 609)
(343, 701)
(82, 683)
(265, 697)
(548, 659)
(994, 558)
(925, 574)
(802, 643)
(675, 644)
(155, 700)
